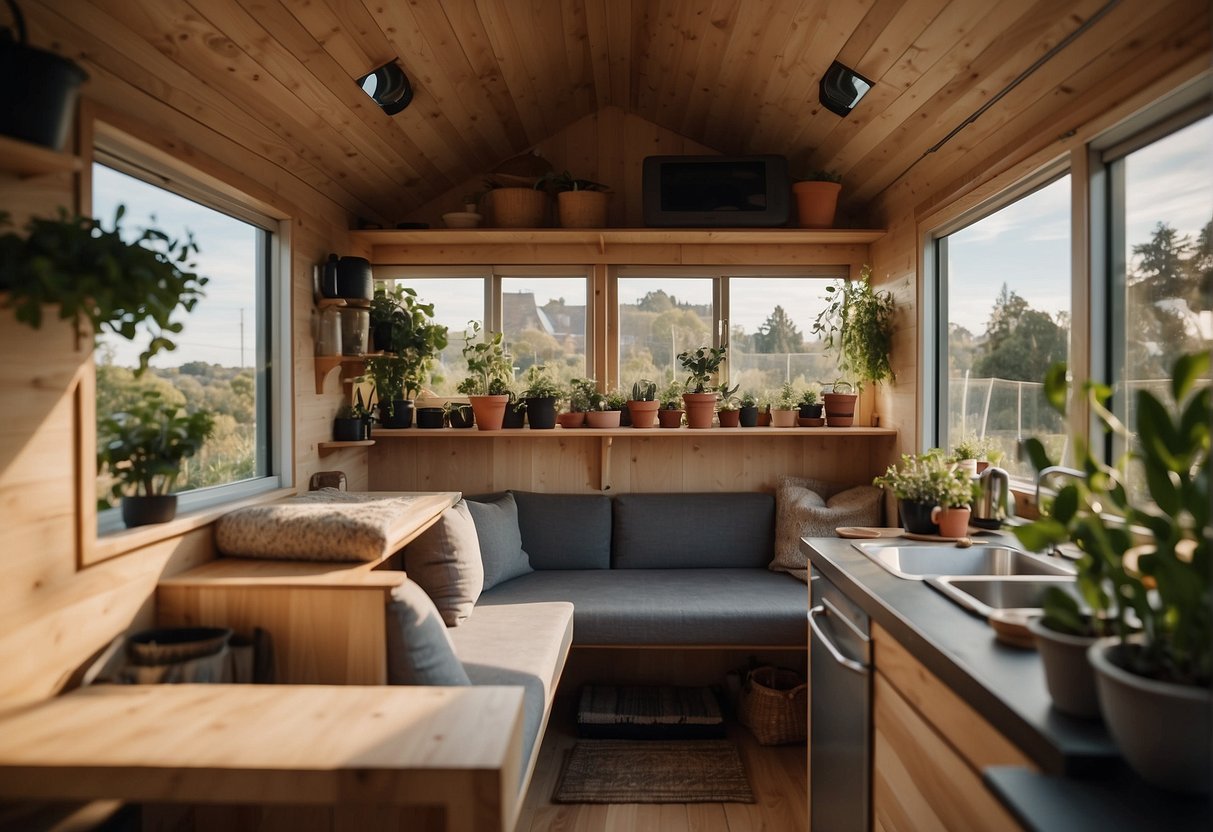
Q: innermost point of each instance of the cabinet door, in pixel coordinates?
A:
(919, 782)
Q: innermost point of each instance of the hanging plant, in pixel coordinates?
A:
(857, 324)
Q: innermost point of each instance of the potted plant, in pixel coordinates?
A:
(540, 392)
(515, 202)
(98, 279)
(817, 199)
(580, 203)
(458, 414)
(810, 407)
(729, 413)
(922, 483)
(643, 404)
(700, 401)
(353, 421)
(747, 414)
(581, 397)
(1150, 553)
(785, 408)
(670, 414)
(432, 418)
(606, 411)
(764, 411)
(41, 107)
(388, 373)
(857, 323)
(143, 448)
(490, 370)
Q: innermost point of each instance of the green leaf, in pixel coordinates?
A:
(1056, 386)
(1188, 369)
(1036, 452)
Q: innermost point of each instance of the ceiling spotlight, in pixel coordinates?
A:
(388, 87)
(841, 88)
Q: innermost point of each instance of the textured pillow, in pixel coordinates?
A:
(500, 540)
(814, 508)
(325, 525)
(445, 562)
(419, 650)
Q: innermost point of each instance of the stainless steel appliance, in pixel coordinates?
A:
(840, 721)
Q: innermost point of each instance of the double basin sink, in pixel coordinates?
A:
(981, 578)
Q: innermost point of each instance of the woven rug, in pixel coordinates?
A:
(649, 713)
(626, 771)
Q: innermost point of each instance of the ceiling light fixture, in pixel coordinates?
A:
(841, 88)
(388, 87)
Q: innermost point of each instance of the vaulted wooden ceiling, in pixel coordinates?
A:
(494, 77)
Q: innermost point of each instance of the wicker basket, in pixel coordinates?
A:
(517, 207)
(582, 209)
(774, 705)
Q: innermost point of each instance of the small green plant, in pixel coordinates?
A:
(928, 478)
(810, 394)
(749, 399)
(389, 375)
(405, 328)
(787, 398)
(968, 447)
(644, 391)
(489, 366)
(95, 275)
(555, 183)
(581, 394)
(857, 324)
(615, 400)
(538, 384)
(701, 365)
(143, 446)
(729, 403)
(671, 395)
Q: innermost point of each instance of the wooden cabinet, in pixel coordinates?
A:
(928, 750)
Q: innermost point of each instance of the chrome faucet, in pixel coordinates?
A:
(1055, 470)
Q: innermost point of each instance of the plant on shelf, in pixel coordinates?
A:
(143, 447)
(785, 407)
(581, 394)
(729, 412)
(389, 376)
(702, 365)
(1146, 565)
(748, 412)
(115, 281)
(541, 392)
(923, 483)
(558, 183)
(490, 371)
(580, 203)
(810, 402)
(403, 326)
(670, 399)
(642, 406)
(644, 391)
(857, 324)
(817, 198)
(353, 420)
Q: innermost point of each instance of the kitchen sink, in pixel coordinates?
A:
(987, 594)
(918, 562)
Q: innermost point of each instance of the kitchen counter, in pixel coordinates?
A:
(1006, 686)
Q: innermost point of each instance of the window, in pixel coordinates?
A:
(1004, 303)
(771, 337)
(222, 357)
(660, 317)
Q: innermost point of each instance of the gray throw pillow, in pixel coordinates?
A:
(815, 508)
(419, 650)
(500, 540)
(445, 561)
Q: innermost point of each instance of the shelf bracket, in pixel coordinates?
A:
(604, 462)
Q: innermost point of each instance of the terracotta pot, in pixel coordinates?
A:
(700, 407)
(784, 418)
(764, 418)
(840, 409)
(571, 419)
(644, 414)
(669, 418)
(603, 418)
(489, 410)
(816, 203)
(953, 521)
(729, 418)
(1068, 675)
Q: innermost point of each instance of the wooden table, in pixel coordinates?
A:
(342, 757)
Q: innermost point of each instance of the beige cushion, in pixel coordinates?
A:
(326, 525)
(445, 562)
(815, 508)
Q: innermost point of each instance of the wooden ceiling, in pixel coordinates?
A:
(494, 77)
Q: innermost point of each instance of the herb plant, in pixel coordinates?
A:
(144, 445)
(490, 368)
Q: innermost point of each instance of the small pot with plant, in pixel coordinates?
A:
(785, 409)
(606, 411)
(1146, 571)
(387, 373)
(857, 324)
(581, 398)
(922, 483)
(143, 447)
(811, 407)
(540, 392)
(817, 199)
(431, 418)
(580, 203)
(353, 421)
(670, 413)
(459, 414)
(702, 365)
(643, 405)
(966, 453)
(729, 412)
(515, 202)
(490, 371)
(747, 412)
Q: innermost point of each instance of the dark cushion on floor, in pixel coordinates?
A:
(672, 531)
(668, 606)
(565, 531)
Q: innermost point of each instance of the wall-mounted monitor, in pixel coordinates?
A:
(716, 191)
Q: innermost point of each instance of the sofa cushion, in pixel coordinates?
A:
(668, 606)
(671, 531)
(815, 508)
(419, 650)
(445, 561)
(518, 644)
(500, 540)
(565, 531)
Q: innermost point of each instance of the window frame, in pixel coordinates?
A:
(274, 358)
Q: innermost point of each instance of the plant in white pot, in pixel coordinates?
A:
(1147, 556)
(857, 324)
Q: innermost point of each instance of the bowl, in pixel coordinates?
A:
(462, 219)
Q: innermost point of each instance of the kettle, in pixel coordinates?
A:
(993, 503)
(347, 277)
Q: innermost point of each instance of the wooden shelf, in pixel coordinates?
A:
(631, 433)
(629, 236)
(26, 160)
(329, 447)
(351, 366)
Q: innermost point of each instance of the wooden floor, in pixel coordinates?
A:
(777, 775)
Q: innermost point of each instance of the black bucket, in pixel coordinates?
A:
(39, 99)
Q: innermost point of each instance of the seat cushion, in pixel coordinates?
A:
(445, 561)
(550, 523)
(419, 648)
(672, 531)
(518, 644)
(668, 606)
(815, 508)
(500, 540)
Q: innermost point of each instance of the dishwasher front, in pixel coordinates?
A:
(840, 720)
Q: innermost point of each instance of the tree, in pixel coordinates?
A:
(1021, 342)
(1169, 283)
(778, 333)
